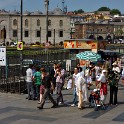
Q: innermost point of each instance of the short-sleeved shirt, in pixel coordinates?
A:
(37, 77)
(29, 75)
(47, 81)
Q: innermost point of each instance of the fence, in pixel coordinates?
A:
(10, 80)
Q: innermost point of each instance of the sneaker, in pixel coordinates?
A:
(54, 106)
(39, 107)
(61, 103)
(73, 105)
(29, 99)
(98, 105)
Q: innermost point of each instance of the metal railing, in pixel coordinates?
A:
(10, 80)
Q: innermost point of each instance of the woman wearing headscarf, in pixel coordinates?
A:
(103, 80)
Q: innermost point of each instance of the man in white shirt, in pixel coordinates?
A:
(30, 87)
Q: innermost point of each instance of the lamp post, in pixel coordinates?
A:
(4, 35)
(54, 37)
(46, 2)
(21, 14)
(21, 35)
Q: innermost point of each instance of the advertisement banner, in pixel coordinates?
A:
(69, 44)
(86, 44)
(80, 44)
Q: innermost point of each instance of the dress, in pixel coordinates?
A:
(82, 91)
(103, 81)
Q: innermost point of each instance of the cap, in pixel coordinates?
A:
(104, 71)
(114, 63)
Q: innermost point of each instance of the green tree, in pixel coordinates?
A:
(78, 11)
(115, 12)
(104, 9)
(119, 32)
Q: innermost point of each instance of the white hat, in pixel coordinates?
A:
(104, 71)
(95, 90)
(114, 63)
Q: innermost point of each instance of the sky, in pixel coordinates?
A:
(86, 5)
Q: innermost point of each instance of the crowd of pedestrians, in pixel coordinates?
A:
(41, 84)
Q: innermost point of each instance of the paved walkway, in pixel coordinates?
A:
(15, 109)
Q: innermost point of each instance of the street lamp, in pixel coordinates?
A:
(21, 35)
(4, 35)
(21, 15)
(46, 2)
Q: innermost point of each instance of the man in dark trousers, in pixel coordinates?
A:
(52, 73)
(47, 80)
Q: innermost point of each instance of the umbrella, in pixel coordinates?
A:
(88, 55)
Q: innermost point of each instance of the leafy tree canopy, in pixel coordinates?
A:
(112, 12)
(115, 12)
(104, 9)
(78, 11)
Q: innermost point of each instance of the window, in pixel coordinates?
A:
(60, 33)
(14, 33)
(26, 33)
(26, 22)
(49, 22)
(38, 34)
(38, 22)
(15, 22)
(49, 34)
(61, 23)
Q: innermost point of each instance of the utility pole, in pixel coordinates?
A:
(54, 38)
(46, 2)
(4, 36)
(21, 38)
(40, 35)
(21, 7)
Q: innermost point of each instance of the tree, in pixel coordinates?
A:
(119, 32)
(104, 9)
(115, 12)
(78, 11)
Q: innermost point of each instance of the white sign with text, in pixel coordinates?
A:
(2, 56)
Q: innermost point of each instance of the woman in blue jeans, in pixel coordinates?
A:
(74, 86)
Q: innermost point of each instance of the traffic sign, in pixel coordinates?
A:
(2, 56)
(20, 46)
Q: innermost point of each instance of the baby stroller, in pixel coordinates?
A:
(95, 100)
